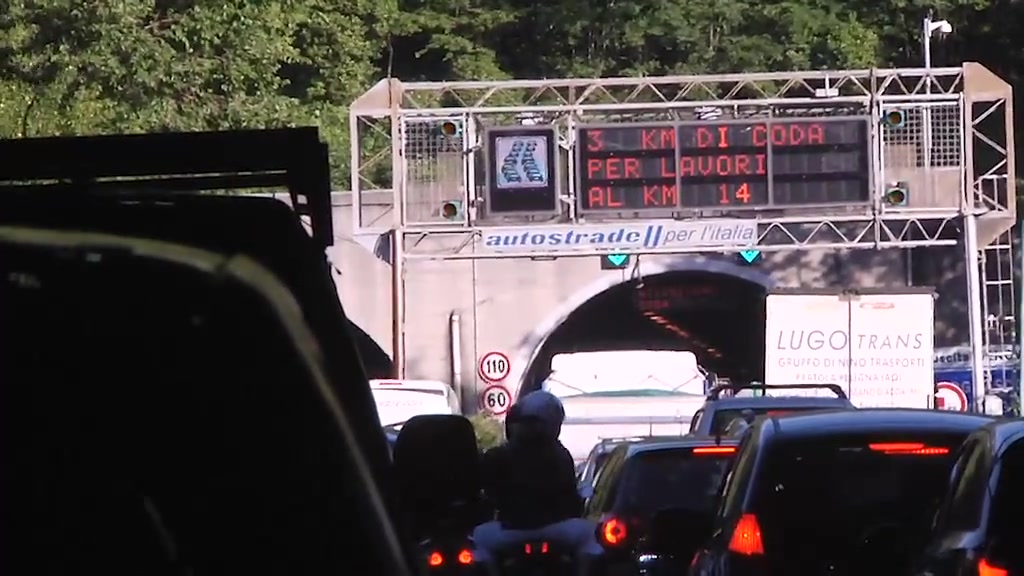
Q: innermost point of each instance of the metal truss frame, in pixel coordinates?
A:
(426, 99)
(779, 235)
(570, 100)
(983, 216)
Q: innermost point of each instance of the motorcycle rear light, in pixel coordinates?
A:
(435, 559)
(465, 557)
(528, 548)
(746, 537)
(918, 448)
(986, 569)
(705, 450)
(613, 532)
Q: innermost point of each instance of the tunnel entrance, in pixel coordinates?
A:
(376, 362)
(718, 317)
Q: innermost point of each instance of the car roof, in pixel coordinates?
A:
(609, 444)
(656, 443)
(885, 420)
(741, 402)
(1002, 431)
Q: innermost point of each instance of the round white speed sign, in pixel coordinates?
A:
(496, 400)
(494, 367)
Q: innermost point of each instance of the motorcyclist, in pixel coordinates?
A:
(531, 480)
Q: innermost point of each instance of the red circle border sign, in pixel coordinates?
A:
(481, 366)
(496, 410)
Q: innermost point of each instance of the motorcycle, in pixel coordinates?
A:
(449, 548)
(455, 556)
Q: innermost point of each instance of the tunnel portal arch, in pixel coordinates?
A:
(376, 362)
(531, 347)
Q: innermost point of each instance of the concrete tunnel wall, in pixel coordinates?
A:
(513, 305)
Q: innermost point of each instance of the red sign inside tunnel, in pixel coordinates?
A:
(655, 298)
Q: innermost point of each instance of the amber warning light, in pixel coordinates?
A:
(451, 128)
(894, 119)
(451, 210)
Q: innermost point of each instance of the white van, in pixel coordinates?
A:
(399, 400)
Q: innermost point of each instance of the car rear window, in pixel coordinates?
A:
(671, 478)
(723, 418)
(873, 499)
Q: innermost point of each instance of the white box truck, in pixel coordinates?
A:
(878, 344)
(625, 393)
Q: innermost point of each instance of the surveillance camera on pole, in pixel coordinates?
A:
(931, 28)
(941, 27)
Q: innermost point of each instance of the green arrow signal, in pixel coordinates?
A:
(618, 259)
(749, 256)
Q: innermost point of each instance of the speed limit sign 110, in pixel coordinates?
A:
(496, 400)
(494, 367)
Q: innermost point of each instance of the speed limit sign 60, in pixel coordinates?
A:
(494, 367)
(496, 400)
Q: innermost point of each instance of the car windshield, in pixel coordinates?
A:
(871, 498)
(723, 418)
(671, 478)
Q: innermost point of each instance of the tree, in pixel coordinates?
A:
(490, 432)
(75, 67)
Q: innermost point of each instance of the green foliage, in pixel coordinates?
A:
(76, 67)
(489, 430)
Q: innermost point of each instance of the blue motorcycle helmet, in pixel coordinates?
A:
(538, 415)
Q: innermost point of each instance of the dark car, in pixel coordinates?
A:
(846, 492)
(641, 479)
(722, 406)
(977, 528)
(591, 467)
(213, 433)
(391, 434)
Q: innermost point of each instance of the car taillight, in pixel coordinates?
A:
(917, 448)
(613, 532)
(706, 450)
(986, 569)
(465, 557)
(435, 559)
(746, 537)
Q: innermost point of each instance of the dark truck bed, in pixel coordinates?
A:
(722, 407)
(156, 186)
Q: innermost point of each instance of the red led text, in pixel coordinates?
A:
(778, 134)
(724, 165)
(639, 197)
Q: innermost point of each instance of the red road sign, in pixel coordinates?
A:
(494, 366)
(949, 396)
(496, 399)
